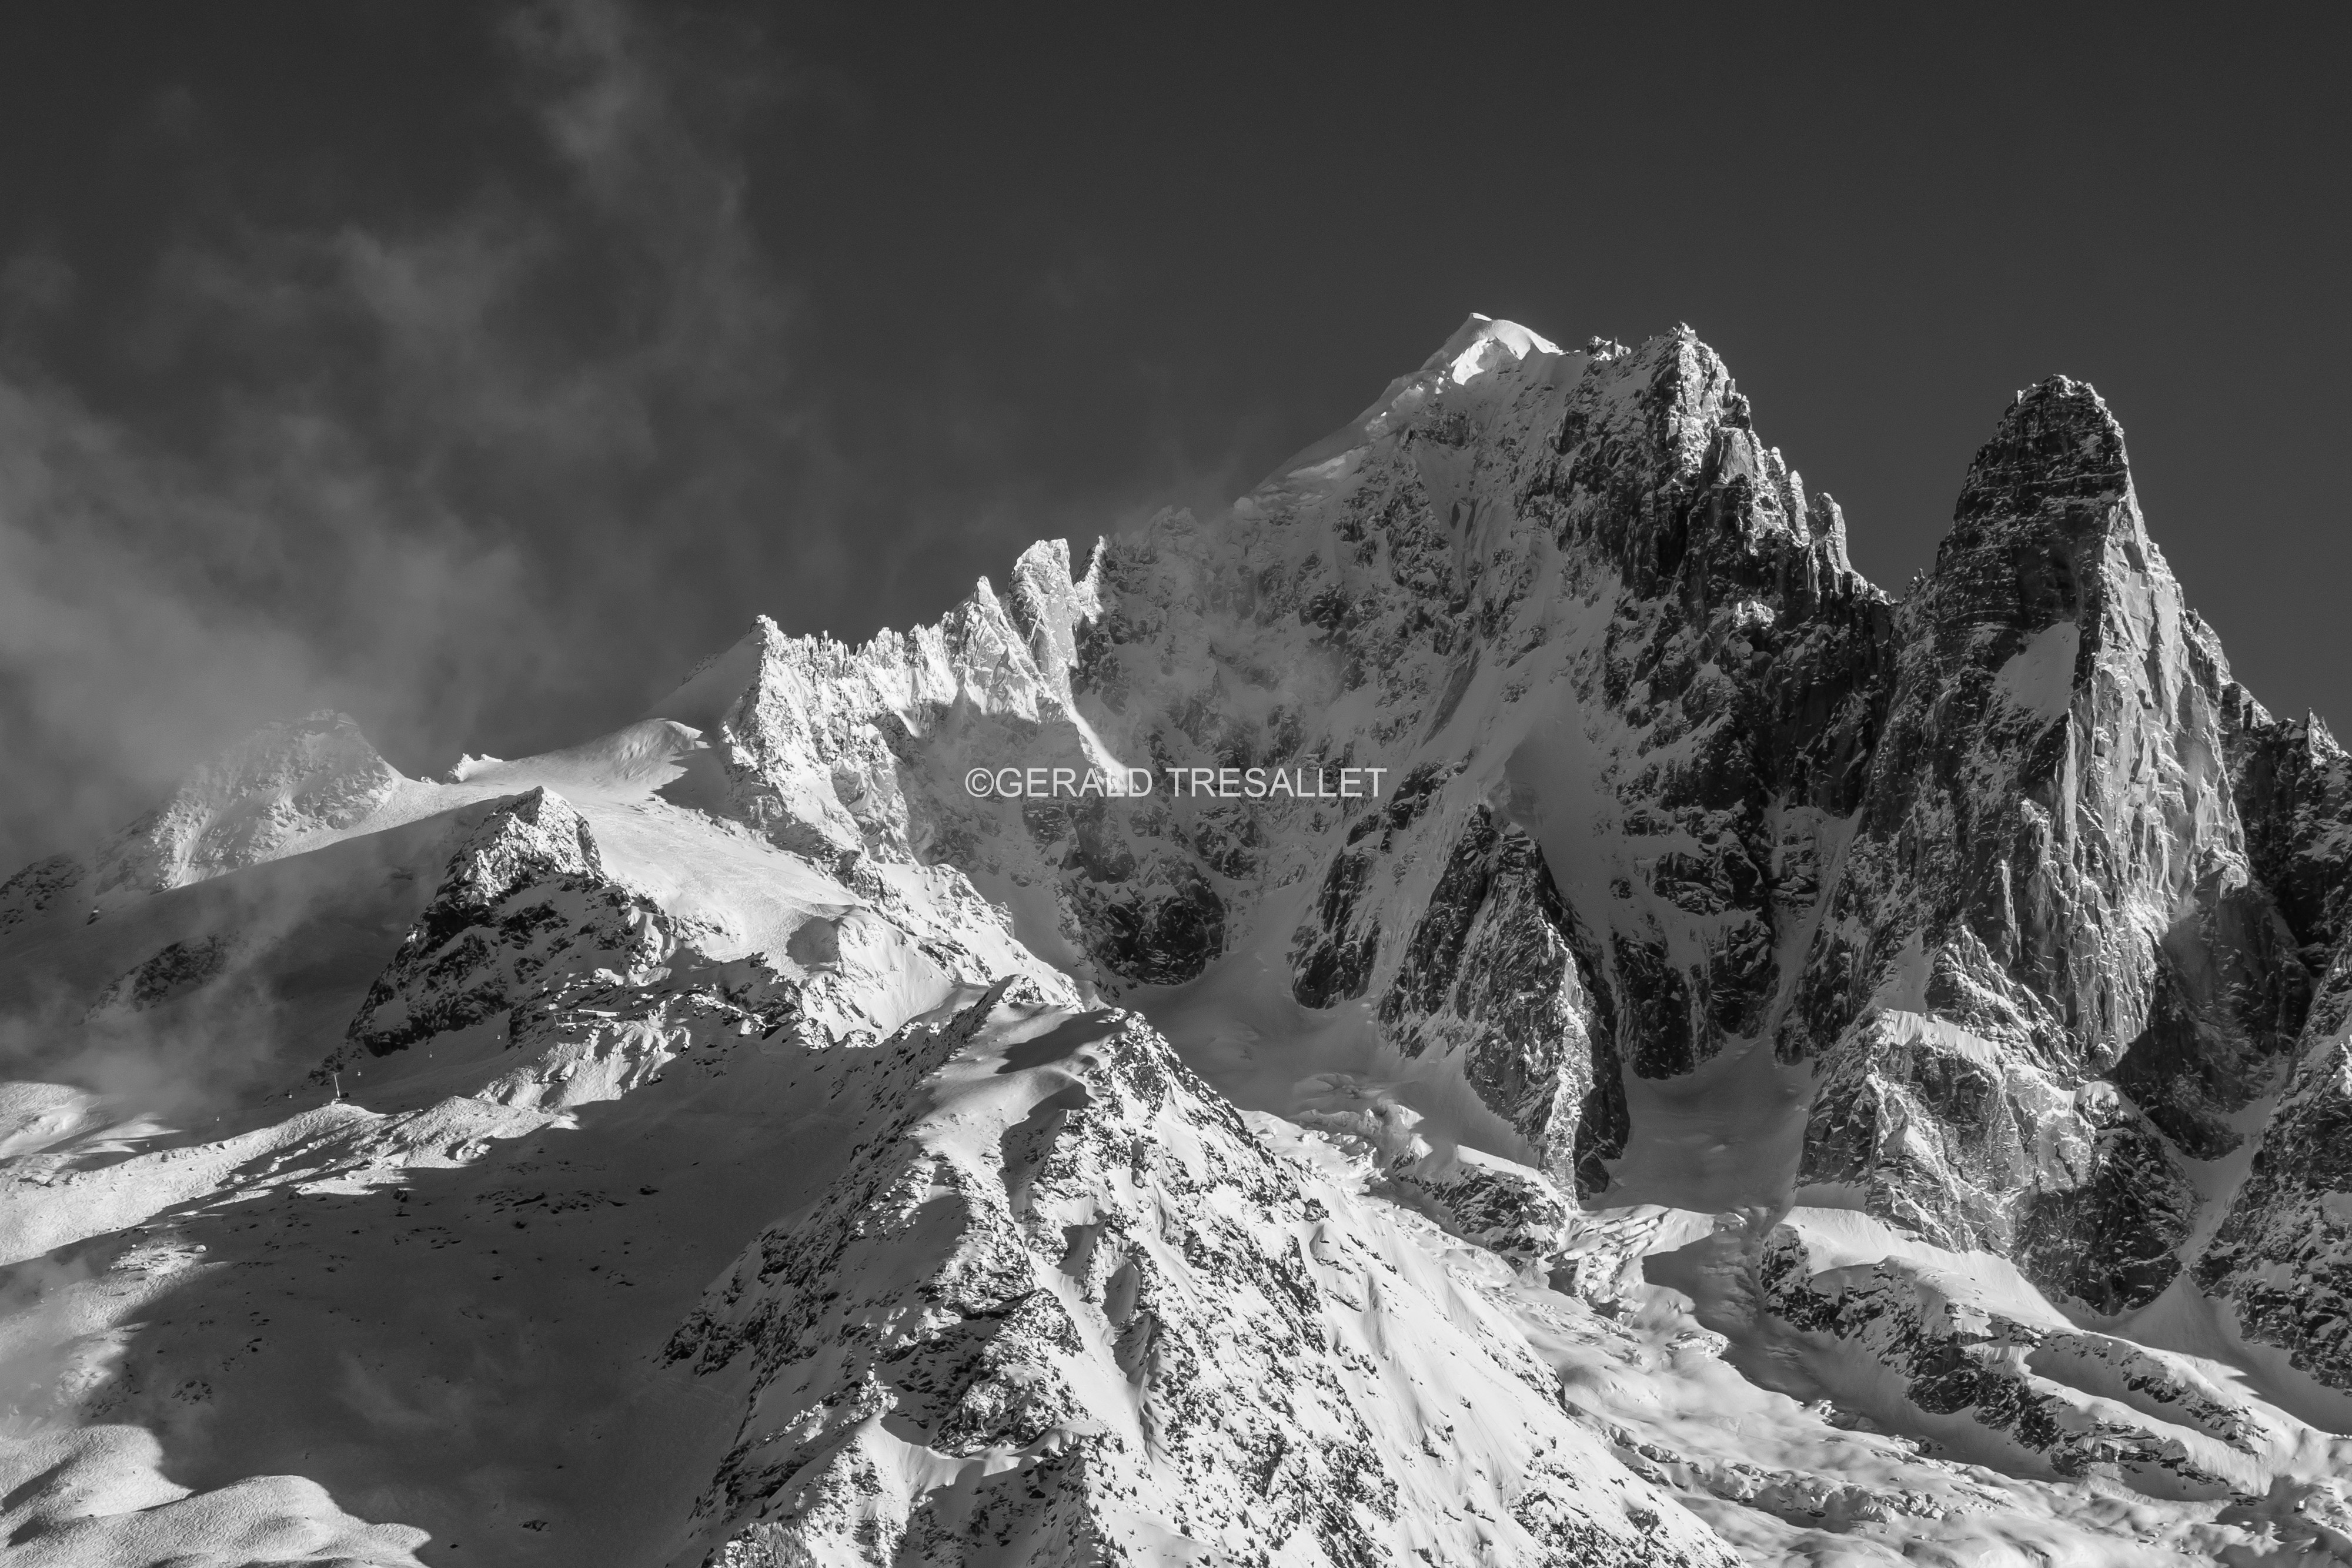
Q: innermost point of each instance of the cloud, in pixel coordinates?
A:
(437, 473)
(490, 468)
(49, 1355)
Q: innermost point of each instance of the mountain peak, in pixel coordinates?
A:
(1480, 348)
(1466, 353)
(2056, 426)
(2055, 465)
(284, 784)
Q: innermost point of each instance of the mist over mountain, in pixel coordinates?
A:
(1609, 1038)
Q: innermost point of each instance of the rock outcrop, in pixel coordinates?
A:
(525, 903)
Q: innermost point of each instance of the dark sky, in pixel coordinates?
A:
(476, 370)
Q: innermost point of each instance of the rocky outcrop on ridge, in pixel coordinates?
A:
(525, 901)
(2047, 1393)
(45, 884)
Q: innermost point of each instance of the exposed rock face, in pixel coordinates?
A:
(281, 784)
(858, 759)
(1499, 974)
(1516, 553)
(1510, 1209)
(1065, 1308)
(1665, 782)
(2048, 967)
(2294, 791)
(2281, 1256)
(1569, 602)
(43, 885)
(596, 986)
(2026, 1382)
(2015, 862)
(1739, 662)
(525, 900)
(172, 973)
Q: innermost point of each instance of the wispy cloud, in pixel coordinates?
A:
(435, 473)
(488, 470)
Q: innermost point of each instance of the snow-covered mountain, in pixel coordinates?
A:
(1610, 1040)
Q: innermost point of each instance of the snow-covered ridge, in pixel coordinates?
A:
(1068, 1308)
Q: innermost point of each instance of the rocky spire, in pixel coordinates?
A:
(2046, 936)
